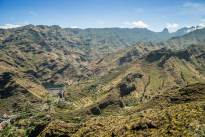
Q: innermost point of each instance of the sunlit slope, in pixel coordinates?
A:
(176, 112)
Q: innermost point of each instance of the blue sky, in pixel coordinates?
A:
(152, 14)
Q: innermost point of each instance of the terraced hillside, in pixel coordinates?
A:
(46, 54)
(178, 112)
(145, 89)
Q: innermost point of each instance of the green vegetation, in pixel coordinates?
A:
(100, 82)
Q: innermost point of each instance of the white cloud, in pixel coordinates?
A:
(134, 24)
(172, 27)
(139, 24)
(202, 24)
(74, 27)
(9, 26)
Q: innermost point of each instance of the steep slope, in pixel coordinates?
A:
(24, 106)
(65, 56)
(179, 112)
(48, 54)
(106, 94)
(194, 37)
(185, 30)
(15, 91)
(139, 81)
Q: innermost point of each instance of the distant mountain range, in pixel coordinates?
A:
(120, 37)
(38, 49)
(116, 37)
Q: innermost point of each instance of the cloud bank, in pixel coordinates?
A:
(135, 24)
(172, 27)
(9, 26)
(140, 24)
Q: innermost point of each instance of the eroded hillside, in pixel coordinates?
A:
(70, 82)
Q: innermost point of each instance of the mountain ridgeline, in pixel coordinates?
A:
(101, 82)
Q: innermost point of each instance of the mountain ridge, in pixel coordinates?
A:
(100, 81)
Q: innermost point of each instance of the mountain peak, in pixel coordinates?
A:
(165, 30)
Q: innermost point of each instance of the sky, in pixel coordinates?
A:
(152, 14)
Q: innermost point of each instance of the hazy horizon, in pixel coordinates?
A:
(154, 15)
